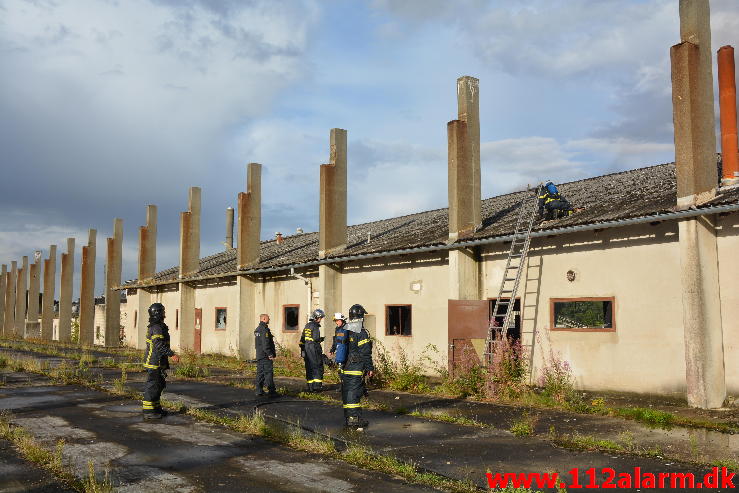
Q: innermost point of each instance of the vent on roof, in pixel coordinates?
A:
(278, 237)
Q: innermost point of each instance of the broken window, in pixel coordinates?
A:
(584, 313)
(221, 318)
(290, 314)
(397, 320)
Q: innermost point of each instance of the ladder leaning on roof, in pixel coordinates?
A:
(517, 255)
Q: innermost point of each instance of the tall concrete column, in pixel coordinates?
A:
(147, 269)
(32, 317)
(229, 228)
(87, 291)
(465, 203)
(332, 202)
(21, 298)
(3, 291)
(9, 323)
(695, 160)
(189, 264)
(333, 221)
(65, 293)
(468, 111)
(113, 268)
(248, 246)
(727, 106)
(47, 309)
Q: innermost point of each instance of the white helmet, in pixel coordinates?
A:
(339, 316)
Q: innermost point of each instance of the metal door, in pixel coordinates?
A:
(198, 330)
(468, 328)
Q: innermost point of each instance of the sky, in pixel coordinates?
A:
(109, 105)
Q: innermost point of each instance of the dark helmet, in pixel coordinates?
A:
(156, 313)
(356, 311)
(317, 313)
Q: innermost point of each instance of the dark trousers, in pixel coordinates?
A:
(265, 375)
(556, 209)
(313, 365)
(352, 390)
(153, 388)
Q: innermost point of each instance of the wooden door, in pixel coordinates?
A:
(197, 343)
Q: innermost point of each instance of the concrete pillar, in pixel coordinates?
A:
(87, 291)
(3, 291)
(47, 309)
(250, 219)
(113, 267)
(9, 322)
(65, 293)
(147, 269)
(240, 335)
(32, 317)
(229, 228)
(727, 105)
(189, 264)
(468, 111)
(461, 182)
(464, 275)
(695, 158)
(333, 198)
(21, 298)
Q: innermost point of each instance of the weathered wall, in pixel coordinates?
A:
(207, 298)
(276, 291)
(639, 266)
(374, 284)
(728, 258)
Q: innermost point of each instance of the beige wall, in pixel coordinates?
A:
(728, 257)
(276, 291)
(208, 298)
(376, 283)
(640, 267)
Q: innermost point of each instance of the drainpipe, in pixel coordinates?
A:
(727, 105)
(308, 283)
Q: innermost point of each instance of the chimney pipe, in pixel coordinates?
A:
(332, 200)
(230, 228)
(727, 105)
(278, 237)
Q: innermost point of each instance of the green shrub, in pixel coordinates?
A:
(397, 371)
(191, 370)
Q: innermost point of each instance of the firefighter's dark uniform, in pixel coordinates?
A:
(265, 346)
(310, 346)
(358, 362)
(555, 205)
(156, 362)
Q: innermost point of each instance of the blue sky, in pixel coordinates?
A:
(108, 106)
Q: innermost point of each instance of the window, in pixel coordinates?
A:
(397, 320)
(290, 317)
(586, 314)
(221, 318)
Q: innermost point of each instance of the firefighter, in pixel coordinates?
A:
(552, 205)
(312, 351)
(358, 364)
(265, 346)
(340, 321)
(156, 362)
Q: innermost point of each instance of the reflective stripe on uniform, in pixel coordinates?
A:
(157, 336)
(364, 341)
(315, 380)
(308, 339)
(352, 406)
(353, 372)
(151, 367)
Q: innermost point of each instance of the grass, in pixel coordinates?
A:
(446, 418)
(51, 460)
(191, 370)
(626, 445)
(524, 426)
(730, 464)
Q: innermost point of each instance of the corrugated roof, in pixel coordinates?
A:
(623, 195)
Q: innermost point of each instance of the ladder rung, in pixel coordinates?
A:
(504, 302)
(507, 291)
(510, 278)
(512, 267)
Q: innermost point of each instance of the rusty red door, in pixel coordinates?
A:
(468, 328)
(197, 344)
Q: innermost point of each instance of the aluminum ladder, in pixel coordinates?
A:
(517, 255)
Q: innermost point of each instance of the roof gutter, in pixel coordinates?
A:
(671, 216)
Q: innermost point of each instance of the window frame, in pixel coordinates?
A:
(215, 317)
(387, 319)
(612, 328)
(284, 318)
